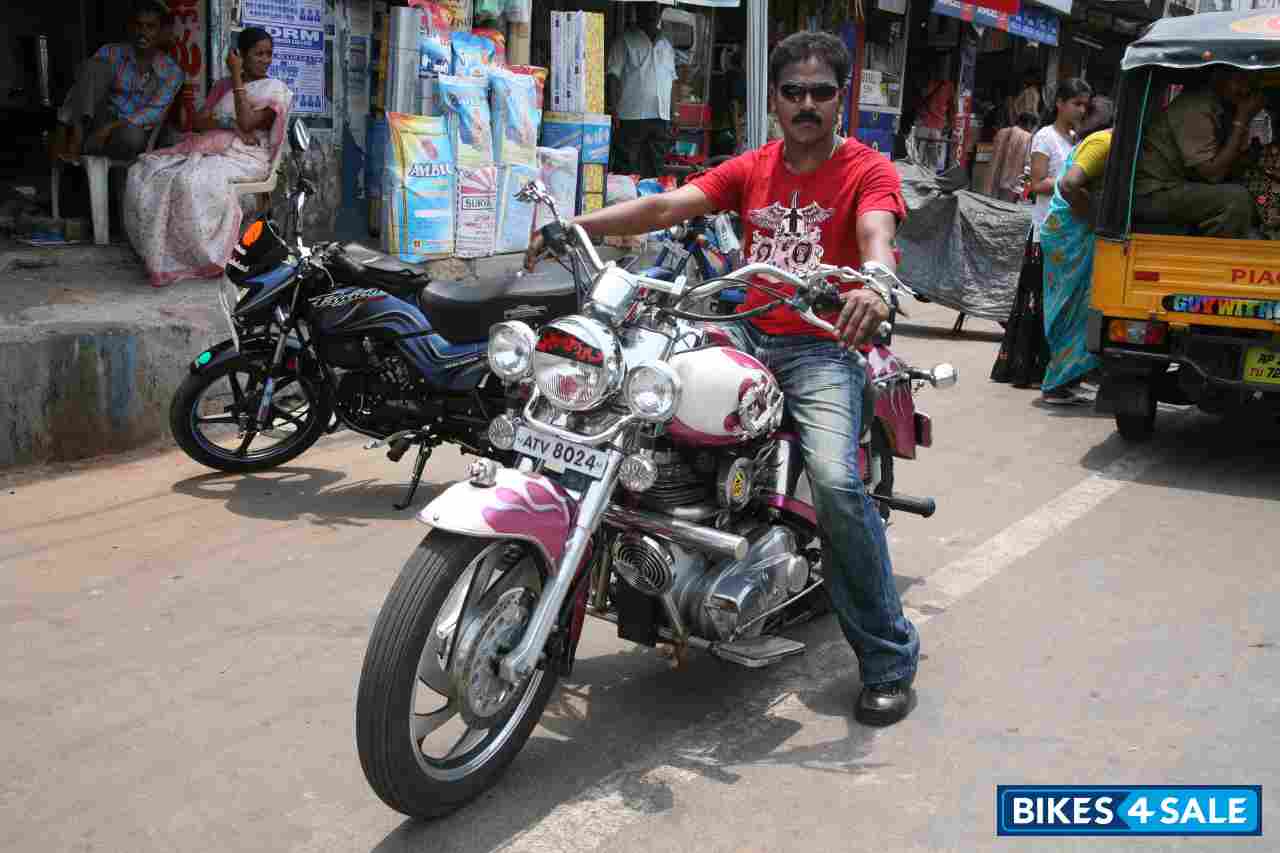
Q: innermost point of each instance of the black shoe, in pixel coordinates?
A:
(884, 704)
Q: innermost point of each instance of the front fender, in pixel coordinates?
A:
(520, 506)
(260, 347)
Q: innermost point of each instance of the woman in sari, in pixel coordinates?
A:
(1067, 240)
(181, 212)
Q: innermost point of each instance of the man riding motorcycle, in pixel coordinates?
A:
(815, 198)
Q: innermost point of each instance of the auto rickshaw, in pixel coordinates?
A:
(1177, 317)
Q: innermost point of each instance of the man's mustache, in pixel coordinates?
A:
(807, 118)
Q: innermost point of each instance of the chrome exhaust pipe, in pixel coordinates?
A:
(680, 532)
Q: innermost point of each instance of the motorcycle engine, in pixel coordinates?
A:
(380, 395)
(715, 598)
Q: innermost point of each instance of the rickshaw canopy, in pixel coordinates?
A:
(1248, 40)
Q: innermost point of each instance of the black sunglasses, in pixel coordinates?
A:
(821, 92)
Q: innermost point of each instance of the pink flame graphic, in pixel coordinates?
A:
(544, 515)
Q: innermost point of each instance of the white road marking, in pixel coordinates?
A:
(619, 800)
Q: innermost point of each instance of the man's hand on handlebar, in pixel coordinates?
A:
(861, 316)
(536, 251)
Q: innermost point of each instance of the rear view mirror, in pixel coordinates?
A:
(299, 136)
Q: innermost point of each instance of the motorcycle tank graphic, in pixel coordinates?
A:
(352, 312)
(717, 381)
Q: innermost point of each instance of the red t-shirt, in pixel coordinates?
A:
(796, 222)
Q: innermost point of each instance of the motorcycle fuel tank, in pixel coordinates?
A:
(729, 397)
(355, 312)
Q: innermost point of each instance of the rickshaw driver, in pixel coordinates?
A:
(1189, 153)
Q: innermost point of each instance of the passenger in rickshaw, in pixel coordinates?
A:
(1190, 171)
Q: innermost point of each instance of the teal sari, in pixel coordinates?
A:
(1067, 242)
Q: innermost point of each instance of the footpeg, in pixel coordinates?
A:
(757, 652)
(923, 507)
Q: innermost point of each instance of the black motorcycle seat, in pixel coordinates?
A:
(463, 311)
(358, 265)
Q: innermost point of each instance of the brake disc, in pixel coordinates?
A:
(483, 697)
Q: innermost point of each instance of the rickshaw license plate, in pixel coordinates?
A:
(557, 455)
(1262, 365)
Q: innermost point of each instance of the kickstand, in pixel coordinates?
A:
(424, 453)
(959, 326)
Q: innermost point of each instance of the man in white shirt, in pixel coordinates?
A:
(642, 69)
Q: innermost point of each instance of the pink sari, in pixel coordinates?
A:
(181, 212)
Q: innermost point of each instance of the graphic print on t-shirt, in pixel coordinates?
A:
(794, 241)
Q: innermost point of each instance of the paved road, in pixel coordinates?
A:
(181, 650)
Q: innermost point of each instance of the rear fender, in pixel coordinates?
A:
(521, 506)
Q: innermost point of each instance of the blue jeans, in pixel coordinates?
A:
(823, 385)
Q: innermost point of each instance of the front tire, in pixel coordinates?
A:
(446, 595)
(211, 408)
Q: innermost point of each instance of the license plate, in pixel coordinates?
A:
(1262, 365)
(558, 455)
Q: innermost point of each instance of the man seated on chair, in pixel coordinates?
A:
(121, 93)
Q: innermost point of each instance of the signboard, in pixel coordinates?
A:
(1033, 24)
(298, 59)
(306, 13)
(188, 51)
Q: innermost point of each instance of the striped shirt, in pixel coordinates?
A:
(140, 97)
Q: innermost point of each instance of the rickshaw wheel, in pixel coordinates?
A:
(1138, 427)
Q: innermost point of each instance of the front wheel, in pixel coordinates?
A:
(435, 725)
(213, 414)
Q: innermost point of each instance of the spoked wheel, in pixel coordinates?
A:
(213, 414)
(435, 723)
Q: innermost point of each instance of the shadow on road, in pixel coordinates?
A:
(618, 706)
(326, 498)
(1236, 456)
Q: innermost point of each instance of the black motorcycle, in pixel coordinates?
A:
(339, 335)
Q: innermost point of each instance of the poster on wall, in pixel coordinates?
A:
(305, 13)
(188, 51)
(298, 60)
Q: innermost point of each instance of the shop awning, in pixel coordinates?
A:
(1032, 24)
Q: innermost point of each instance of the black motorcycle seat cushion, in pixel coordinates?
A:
(359, 266)
(463, 311)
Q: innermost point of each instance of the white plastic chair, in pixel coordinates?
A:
(268, 185)
(99, 170)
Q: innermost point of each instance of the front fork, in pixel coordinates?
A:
(517, 665)
(269, 388)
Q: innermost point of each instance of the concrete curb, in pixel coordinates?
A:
(72, 387)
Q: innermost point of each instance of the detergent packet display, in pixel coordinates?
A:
(477, 212)
(597, 133)
(539, 76)
(417, 188)
(558, 169)
(472, 55)
(499, 40)
(515, 217)
(562, 130)
(514, 102)
(465, 102)
(435, 41)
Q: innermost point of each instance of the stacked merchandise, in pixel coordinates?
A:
(462, 143)
(418, 188)
(576, 118)
(577, 62)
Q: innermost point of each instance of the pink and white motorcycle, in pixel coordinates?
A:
(657, 488)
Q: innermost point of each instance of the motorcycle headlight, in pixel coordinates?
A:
(652, 391)
(577, 363)
(511, 350)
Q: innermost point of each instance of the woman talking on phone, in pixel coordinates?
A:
(181, 212)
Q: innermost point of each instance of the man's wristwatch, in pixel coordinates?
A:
(875, 273)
